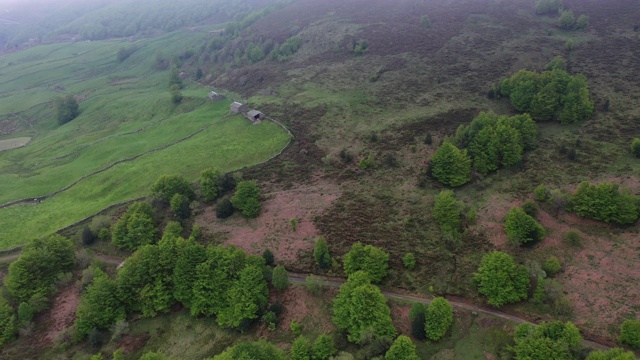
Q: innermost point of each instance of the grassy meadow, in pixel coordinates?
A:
(125, 112)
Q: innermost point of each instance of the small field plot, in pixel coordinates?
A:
(9, 144)
(128, 132)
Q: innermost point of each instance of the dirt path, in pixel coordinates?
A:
(336, 282)
(300, 279)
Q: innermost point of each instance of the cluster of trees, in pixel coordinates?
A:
(31, 281)
(322, 349)
(605, 202)
(175, 85)
(433, 321)
(552, 340)
(126, 51)
(216, 280)
(568, 21)
(286, 50)
(67, 109)
(491, 141)
(550, 95)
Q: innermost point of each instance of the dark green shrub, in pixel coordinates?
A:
(540, 192)
(522, 228)
(267, 255)
(224, 208)
(635, 147)
(531, 208)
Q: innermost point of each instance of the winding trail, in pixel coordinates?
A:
(300, 279)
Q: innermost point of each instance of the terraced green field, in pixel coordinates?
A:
(128, 132)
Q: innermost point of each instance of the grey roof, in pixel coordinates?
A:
(236, 105)
(254, 113)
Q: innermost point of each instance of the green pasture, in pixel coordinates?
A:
(125, 112)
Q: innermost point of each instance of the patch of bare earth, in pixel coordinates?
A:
(602, 281)
(62, 313)
(400, 317)
(491, 218)
(304, 308)
(273, 229)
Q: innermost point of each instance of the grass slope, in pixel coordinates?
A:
(125, 112)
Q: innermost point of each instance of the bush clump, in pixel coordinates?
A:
(522, 228)
(605, 202)
(550, 95)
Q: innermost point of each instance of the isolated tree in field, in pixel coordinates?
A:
(135, 228)
(605, 202)
(323, 348)
(501, 280)
(360, 308)
(280, 278)
(402, 349)
(300, 349)
(99, 306)
(321, 253)
(210, 182)
(8, 323)
(567, 20)
(582, 22)
(521, 228)
(246, 198)
(450, 165)
(438, 318)
(370, 259)
(447, 213)
(168, 185)
(612, 354)
(255, 350)
(417, 315)
(190, 255)
(67, 109)
(409, 261)
(630, 333)
(635, 147)
(552, 340)
(37, 268)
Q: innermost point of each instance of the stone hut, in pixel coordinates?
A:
(237, 108)
(215, 96)
(255, 116)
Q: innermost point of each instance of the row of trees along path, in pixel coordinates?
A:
(394, 294)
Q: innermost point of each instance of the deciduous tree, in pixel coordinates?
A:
(438, 318)
(450, 165)
(246, 198)
(501, 280)
(402, 349)
(370, 259)
(360, 308)
(521, 228)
